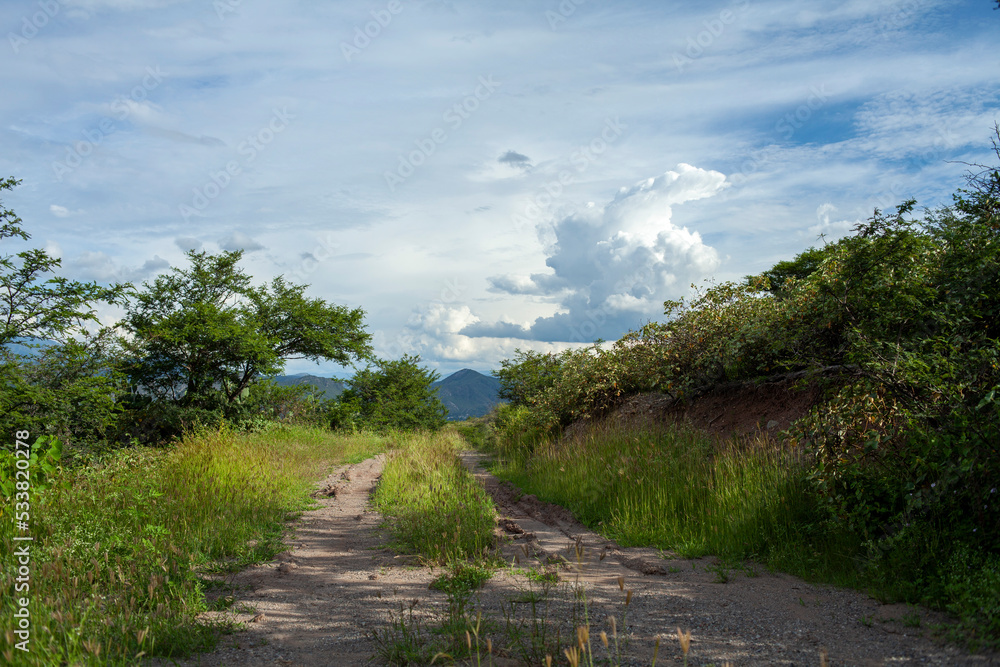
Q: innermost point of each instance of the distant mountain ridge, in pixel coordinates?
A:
(333, 388)
(466, 393)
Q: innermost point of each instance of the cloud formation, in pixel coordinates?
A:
(515, 159)
(612, 267)
(239, 241)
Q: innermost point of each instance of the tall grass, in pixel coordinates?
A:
(677, 489)
(437, 508)
(120, 549)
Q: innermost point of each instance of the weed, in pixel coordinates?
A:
(911, 619)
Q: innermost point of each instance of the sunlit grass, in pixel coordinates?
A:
(119, 549)
(437, 508)
(678, 490)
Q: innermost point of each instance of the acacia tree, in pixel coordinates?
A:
(32, 307)
(202, 336)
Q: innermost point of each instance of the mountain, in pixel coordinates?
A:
(330, 386)
(467, 394)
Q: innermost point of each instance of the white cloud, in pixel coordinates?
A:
(612, 267)
(828, 228)
(62, 211)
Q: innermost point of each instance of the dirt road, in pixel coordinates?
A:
(319, 603)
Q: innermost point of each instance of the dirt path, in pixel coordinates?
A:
(319, 602)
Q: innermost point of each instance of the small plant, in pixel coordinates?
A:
(911, 619)
(722, 572)
(404, 642)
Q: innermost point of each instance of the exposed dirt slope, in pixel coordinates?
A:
(726, 411)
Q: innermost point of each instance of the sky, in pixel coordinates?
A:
(478, 176)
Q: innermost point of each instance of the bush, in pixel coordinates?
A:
(69, 390)
(393, 395)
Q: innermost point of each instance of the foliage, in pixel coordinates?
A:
(268, 402)
(124, 551)
(202, 336)
(804, 264)
(391, 395)
(32, 307)
(525, 376)
(70, 390)
(44, 465)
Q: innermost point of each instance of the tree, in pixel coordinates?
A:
(392, 395)
(33, 308)
(202, 336)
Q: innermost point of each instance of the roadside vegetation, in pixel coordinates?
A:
(125, 548)
(437, 512)
(890, 483)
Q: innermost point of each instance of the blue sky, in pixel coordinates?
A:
(482, 176)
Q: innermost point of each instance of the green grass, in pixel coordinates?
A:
(437, 510)
(120, 549)
(676, 489)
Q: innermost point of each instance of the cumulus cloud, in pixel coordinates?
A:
(828, 228)
(239, 241)
(612, 266)
(436, 332)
